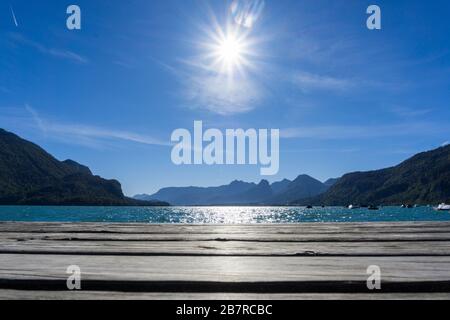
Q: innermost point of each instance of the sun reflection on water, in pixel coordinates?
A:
(216, 215)
(236, 215)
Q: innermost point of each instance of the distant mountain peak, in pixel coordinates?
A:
(303, 186)
(280, 186)
(237, 182)
(303, 177)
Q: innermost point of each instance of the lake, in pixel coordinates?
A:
(219, 215)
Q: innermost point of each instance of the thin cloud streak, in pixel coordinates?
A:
(410, 112)
(54, 52)
(77, 131)
(361, 132)
(308, 81)
(95, 132)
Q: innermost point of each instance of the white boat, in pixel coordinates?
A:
(443, 207)
(351, 207)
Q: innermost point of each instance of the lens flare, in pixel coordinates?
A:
(246, 12)
(230, 50)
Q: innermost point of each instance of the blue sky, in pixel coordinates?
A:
(109, 96)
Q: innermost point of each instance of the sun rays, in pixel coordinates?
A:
(227, 46)
(228, 60)
(229, 51)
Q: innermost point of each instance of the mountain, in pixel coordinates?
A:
(302, 187)
(227, 194)
(331, 182)
(280, 186)
(31, 176)
(257, 194)
(422, 179)
(241, 193)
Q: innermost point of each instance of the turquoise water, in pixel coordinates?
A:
(216, 214)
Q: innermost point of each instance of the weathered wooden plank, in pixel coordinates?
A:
(303, 228)
(227, 248)
(112, 295)
(220, 269)
(223, 260)
(254, 237)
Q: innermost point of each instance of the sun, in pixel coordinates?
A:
(230, 50)
(230, 53)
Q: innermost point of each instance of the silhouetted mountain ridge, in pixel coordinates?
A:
(241, 193)
(422, 179)
(30, 175)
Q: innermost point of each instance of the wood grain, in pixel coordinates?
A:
(292, 261)
(226, 248)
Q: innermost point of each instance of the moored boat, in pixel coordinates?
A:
(443, 207)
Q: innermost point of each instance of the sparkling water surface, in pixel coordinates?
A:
(219, 215)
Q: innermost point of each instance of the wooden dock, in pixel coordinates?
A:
(302, 261)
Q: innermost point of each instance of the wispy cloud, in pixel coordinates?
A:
(318, 150)
(320, 45)
(37, 120)
(406, 112)
(75, 132)
(362, 132)
(309, 81)
(204, 88)
(218, 95)
(54, 52)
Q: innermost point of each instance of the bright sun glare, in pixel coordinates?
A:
(230, 47)
(230, 50)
